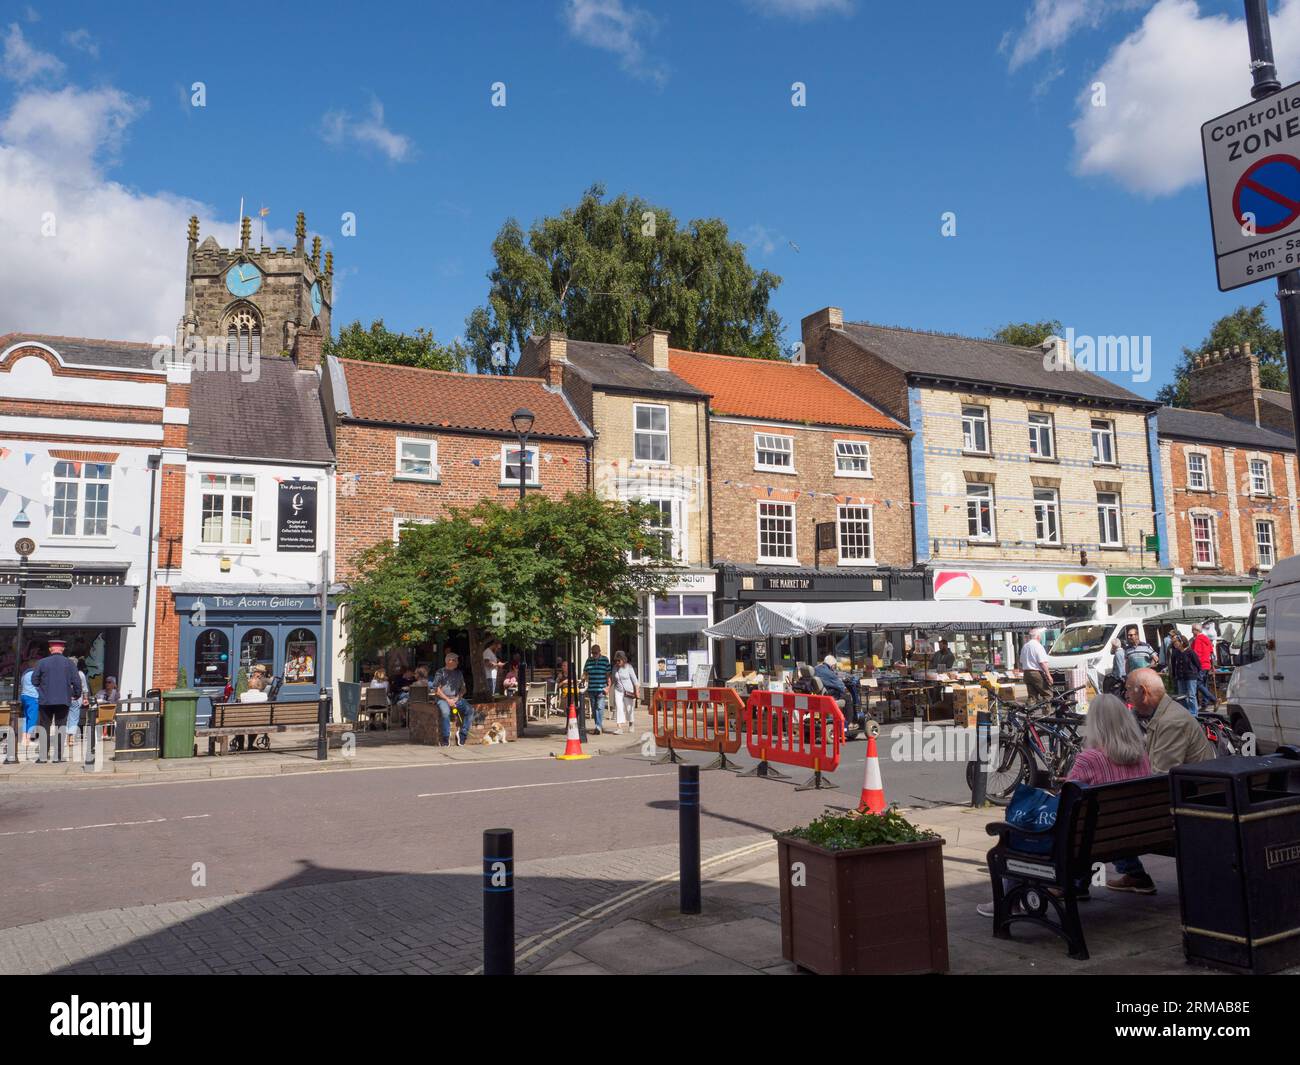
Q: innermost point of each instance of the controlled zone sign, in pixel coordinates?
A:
(1252, 175)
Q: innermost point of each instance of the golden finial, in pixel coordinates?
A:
(300, 229)
(315, 251)
(329, 264)
(194, 227)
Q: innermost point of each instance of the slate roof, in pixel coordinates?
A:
(81, 351)
(776, 390)
(978, 361)
(614, 366)
(406, 395)
(277, 417)
(1203, 427)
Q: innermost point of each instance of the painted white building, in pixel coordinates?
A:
(82, 425)
(256, 536)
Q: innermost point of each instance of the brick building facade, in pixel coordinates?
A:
(651, 444)
(791, 449)
(1034, 483)
(1231, 496)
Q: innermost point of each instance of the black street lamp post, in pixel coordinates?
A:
(522, 420)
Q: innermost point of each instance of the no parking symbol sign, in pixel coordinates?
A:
(1252, 174)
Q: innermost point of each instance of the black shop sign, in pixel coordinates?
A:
(295, 529)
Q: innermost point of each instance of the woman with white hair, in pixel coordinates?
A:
(1113, 749)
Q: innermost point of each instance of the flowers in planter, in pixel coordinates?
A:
(852, 830)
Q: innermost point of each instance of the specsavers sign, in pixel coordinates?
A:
(1139, 586)
(1013, 584)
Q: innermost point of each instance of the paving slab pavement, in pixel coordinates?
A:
(740, 928)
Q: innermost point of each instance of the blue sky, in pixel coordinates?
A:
(1093, 215)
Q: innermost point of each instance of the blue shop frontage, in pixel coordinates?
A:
(222, 632)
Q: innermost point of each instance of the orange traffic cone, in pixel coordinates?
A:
(573, 745)
(873, 789)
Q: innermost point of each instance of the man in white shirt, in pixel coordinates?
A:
(1033, 661)
(490, 665)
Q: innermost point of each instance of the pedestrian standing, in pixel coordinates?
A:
(597, 672)
(1033, 662)
(1203, 649)
(57, 685)
(31, 698)
(491, 664)
(625, 689)
(1185, 669)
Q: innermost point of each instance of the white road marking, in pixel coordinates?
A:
(106, 824)
(544, 784)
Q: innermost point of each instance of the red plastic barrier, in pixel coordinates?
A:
(793, 729)
(697, 719)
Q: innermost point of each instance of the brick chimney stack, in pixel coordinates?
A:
(552, 358)
(652, 349)
(307, 344)
(811, 328)
(1226, 382)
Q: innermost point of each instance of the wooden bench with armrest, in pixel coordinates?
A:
(231, 720)
(1094, 824)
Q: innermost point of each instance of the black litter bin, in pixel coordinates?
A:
(137, 729)
(1237, 827)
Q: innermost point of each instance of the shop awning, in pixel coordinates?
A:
(89, 606)
(808, 619)
(1186, 615)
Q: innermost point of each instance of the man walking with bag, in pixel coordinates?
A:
(58, 685)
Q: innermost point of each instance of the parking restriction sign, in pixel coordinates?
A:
(1252, 175)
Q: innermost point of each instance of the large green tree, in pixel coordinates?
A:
(609, 269)
(521, 572)
(1245, 324)
(1028, 334)
(381, 344)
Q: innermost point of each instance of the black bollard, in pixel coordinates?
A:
(688, 835)
(499, 902)
(322, 727)
(979, 786)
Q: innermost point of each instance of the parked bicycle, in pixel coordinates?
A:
(1037, 741)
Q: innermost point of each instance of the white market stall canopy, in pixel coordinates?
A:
(762, 620)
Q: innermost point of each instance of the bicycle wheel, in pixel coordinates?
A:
(1001, 779)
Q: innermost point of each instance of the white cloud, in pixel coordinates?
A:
(760, 240)
(802, 9)
(613, 26)
(82, 41)
(338, 128)
(115, 264)
(1050, 23)
(24, 63)
(1178, 69)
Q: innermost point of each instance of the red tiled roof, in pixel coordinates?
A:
(408, 395)
(775, 390)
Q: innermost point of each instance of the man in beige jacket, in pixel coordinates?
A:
(1173, 737)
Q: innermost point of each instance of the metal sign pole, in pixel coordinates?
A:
(1288, 284)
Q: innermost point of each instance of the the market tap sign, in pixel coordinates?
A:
(295, 528)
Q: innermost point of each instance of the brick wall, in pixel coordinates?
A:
(735, 525)
(883, 384)
(614, 423)
(1230, 506)
(1015, 476)
(368, 507)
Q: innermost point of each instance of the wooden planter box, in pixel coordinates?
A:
(877, 910)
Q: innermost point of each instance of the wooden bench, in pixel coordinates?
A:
(230, 720)
(1094, 824)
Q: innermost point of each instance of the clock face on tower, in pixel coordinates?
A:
(243, 279)
(315, 298)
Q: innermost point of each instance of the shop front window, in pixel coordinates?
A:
(212, 659)
(257, 648)
(300, 657)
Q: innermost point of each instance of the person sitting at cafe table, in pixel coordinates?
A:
(944, 659)
(108, 694)
(448, 686)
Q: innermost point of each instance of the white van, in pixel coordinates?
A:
(1264, 693)
(1087, 644)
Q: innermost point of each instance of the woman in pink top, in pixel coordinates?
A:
(1113, 748)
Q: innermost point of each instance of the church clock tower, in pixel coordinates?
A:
(257, 299)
